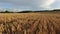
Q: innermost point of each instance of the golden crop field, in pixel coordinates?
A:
(29, 23)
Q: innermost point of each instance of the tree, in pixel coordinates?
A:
(6, 11)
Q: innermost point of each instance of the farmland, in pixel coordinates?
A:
(29, 23)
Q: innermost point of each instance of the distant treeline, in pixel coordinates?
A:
(30, 11)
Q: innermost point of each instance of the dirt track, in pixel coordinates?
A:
(30, 23)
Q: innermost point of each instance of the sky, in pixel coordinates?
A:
(29, 4)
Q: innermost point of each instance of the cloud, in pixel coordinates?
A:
(30, 4)
(47, 3)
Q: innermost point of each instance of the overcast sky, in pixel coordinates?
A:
(29, 4)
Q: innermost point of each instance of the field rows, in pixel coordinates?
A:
(30, 23)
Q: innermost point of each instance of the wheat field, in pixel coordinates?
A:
(29, 23)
